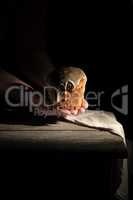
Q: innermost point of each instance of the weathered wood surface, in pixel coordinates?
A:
(60, 136)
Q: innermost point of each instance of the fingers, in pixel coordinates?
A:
(85, 104)
(72, 111)
(65, 111)
(76, 111)
(82, 110)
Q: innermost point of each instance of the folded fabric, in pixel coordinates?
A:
(99, 120)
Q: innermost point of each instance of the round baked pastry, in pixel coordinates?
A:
(70, 83)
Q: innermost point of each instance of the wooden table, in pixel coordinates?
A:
(61, 135)
(81, 159)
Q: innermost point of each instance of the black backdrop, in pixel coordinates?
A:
(72, 32)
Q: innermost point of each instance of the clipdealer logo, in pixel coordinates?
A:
(32, 99)
(35, 99)
(121, 93)
(118, 99)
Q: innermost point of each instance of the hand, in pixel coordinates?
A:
(74, 111)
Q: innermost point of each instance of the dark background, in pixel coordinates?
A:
(95, 35)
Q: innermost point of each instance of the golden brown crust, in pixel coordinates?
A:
(75, 99)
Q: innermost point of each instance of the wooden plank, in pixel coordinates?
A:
(60, 136)
(92, 140)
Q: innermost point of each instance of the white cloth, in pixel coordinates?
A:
(99, 120)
